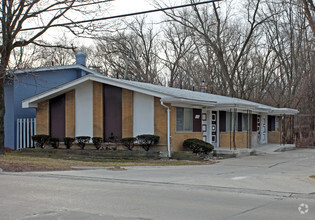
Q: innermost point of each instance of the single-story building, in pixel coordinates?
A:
(98, 106)
(22, 84)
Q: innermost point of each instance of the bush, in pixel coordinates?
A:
(128, 142)
(82, 140)
(68, 141)
(97, 141)
(40, 140)
(113, 139)
(147, 140)
(54, 142)
(197, 146)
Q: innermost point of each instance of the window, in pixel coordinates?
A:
(184, 119)
(271, 123)
(231, 118)
(188, 119)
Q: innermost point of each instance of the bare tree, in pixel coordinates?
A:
(40, 16)
(138, 45)
(217, 34)
(176, 45)
(309, 10)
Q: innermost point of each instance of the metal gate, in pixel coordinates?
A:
(25, 129)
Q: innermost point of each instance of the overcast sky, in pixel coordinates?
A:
(129, 6)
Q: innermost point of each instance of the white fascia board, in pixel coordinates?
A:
(54, 68)
(239, 107)
(122, 84)
(284, 111)
(32, 102)
(180, 102)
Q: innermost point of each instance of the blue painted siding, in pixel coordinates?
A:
(9, 115)
(28, 85)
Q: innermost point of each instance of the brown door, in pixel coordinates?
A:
(197, 120)
(112, 111)
(57, 117)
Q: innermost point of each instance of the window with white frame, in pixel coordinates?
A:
(184, 119)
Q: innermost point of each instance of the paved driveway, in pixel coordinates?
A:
(286, 172)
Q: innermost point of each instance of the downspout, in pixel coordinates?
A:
(168, 130)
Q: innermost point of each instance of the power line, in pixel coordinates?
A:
(79, 5)
(123, 15)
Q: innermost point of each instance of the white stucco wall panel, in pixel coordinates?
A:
(143, 116)
(84, 109)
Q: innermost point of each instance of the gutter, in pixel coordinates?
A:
(168, 129)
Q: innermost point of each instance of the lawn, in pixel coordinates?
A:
(49, 160)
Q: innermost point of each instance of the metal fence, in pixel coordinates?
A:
(25, 129)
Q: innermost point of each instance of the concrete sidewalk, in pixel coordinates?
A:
(261, 149)
(271, 148)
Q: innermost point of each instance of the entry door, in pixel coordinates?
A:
(57, 117)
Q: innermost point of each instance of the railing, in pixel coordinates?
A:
(25, 129)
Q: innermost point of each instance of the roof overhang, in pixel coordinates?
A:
(32, 102)
(284, 111)
(182, 102)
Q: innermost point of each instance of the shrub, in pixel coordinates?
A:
(128, 142)
(54, 142)
(97, 141)
(40, 140)
(82, 140)
(197, 146)
(113, 139)
(147, 140)
(68, 141)
(207, 147)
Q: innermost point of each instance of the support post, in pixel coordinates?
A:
(168, 129)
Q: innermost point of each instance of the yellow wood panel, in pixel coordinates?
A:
(274, 137)
(127, 113)
(97, 109)
(240, 139)
(42, 118)
(70, 114)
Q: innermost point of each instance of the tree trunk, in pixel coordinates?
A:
(2, 112)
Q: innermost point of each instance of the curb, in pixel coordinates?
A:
(283, 149)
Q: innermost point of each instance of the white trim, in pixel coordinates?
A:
(54, 68)
(182, 98)
(33, 101)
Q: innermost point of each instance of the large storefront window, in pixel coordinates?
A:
(243, 122)
(231, 118)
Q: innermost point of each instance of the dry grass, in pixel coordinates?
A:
(13, 162)
(313, 177)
